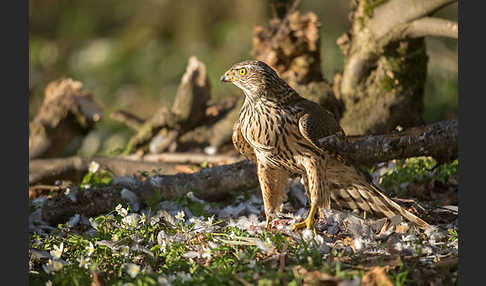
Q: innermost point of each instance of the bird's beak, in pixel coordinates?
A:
(225, 78)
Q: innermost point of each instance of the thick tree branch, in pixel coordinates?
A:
(397, 12)
(209, 184)
(47, 171)
(438, 140)
(354, 69)
(393, 20)
(427, 26)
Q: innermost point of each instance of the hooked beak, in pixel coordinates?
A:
(225, 78)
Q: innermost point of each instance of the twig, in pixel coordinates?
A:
(128, 119)
(243, 281)
(282, 258)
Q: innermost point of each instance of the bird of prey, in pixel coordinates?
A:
(279, 131)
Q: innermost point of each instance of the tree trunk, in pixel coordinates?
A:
(382, 85)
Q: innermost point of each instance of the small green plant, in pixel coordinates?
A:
(96, 176)
(417, 168)
(401, 277)
(453, 234)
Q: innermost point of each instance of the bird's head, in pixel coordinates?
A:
(256, 79)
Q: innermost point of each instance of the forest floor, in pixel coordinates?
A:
(188, 241)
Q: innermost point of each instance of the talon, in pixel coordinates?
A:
(299, 225)
(308, 222)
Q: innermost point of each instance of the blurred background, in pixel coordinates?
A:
(132, 54)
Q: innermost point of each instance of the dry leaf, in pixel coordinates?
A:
(402, 228)
(314, 277)
(376, 276)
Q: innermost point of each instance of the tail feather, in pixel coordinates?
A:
(350, 189)
(368, 198)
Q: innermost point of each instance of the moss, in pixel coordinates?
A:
(370, 5)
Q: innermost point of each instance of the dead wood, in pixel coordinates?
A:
(173, 129)
(66, 112)
(217, 128)
(127, 118)
(438, 140)
(209, 184)
(291, 46)
(187, 112)
(47, 171)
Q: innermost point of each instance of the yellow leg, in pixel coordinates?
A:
(308, 222)
(269, 220)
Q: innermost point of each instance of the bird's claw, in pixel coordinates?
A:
(307, 223)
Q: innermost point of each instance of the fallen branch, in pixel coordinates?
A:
(438, 140)
(209, 184)
(47, 171)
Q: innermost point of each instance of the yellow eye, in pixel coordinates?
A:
(242, 71)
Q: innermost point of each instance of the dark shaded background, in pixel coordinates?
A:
(132, 54)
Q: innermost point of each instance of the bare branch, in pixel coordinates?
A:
(396, 12)
(354, 70)
(427, 26)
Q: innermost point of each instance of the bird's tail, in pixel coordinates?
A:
(356, 192)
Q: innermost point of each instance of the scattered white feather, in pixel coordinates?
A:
(131, 198)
